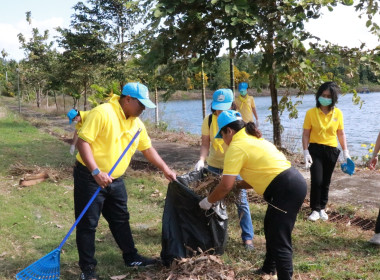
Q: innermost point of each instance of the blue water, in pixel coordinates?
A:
(361, 125)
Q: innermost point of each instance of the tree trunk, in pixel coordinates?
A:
(203, 93)
(55, 100)
(275, 114)
(272, 82)
(39, 97)
(156, 101)
(47, 100)
(232, 74)
(85, 97)
(64, 102)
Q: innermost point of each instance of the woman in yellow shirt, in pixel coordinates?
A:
(268, 172)
(321, 127)
(214, 149)
(246, 104)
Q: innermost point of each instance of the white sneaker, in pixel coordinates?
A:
(314, 216)
(323, 215)
(375, 239)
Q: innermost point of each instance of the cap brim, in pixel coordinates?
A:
(221, 106)
(147, 103)
(219, 134)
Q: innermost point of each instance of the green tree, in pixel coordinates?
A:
(274, 27)
(85, 50)
(36, 63)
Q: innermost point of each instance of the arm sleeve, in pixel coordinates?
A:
(234, 161)
(340, 120)
(205, 127)
(92, 126)
(253, 105)
(144, 139)
(307, 121)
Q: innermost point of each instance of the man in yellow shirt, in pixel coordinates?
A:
(103, 137)
(246, 104)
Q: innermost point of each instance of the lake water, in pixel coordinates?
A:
(361, 125)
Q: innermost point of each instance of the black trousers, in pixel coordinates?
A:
(112, 203)
(377, 227)
(324, 161)
(285, 193)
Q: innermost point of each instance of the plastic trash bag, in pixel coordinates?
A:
(185, 224)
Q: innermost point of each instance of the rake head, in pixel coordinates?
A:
(45, 268)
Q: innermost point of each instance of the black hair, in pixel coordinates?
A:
(334, 91)
(250, 128)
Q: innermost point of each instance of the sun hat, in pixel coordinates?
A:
(243, 86)
(72, 114)
(348, 167)
(140, 92)
(225, 118)
(222, 99)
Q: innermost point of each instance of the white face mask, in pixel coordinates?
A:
(75, 122)
(243, 93)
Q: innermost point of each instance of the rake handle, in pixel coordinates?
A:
(97, 191)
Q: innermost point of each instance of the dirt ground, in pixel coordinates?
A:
(360, 189)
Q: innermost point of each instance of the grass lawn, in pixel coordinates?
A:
(34, 220)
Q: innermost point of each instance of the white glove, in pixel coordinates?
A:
(308, 159)
(346, 155)
(204, 204)
(200, 164)
(72, 149)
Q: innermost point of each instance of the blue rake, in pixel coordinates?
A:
(48, 267)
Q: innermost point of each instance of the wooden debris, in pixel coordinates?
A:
(202, 266)
(205, 186)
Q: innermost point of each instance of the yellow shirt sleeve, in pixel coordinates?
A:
(91, 128)
(253, 105)
(205, 127)
(307, 121)
(340, 120)
(234, 161)
(144, 139)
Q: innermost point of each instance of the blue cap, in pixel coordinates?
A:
(222, 99)
(243, 86)
(140, 92)
(225, 118)
(348, 167)
(72, 114)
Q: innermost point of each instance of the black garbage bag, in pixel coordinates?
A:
(185, 224)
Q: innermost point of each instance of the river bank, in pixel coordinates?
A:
(197, 94)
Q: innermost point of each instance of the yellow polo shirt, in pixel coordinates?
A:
(83, 115)
(244, 106)
(256, 160)
(217, 146)
(323, 127)
(108, 132)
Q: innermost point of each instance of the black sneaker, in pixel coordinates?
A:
(89, 273)
(261, 272)
(140, 261)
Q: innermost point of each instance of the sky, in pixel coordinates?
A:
(342, 26)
